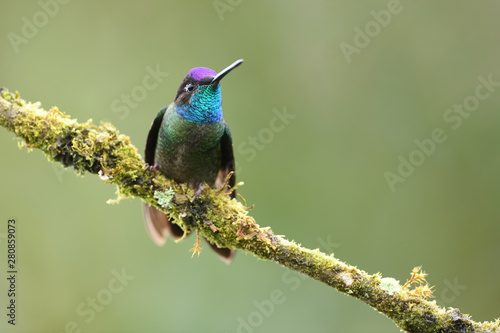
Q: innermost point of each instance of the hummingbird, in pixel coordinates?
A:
(190, 142)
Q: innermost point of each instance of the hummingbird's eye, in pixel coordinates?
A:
(189, 87)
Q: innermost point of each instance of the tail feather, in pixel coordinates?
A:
(225, 254)
(159, 226)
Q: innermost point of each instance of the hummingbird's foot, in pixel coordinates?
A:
(196, 248)
(151, 168)
(198, 191)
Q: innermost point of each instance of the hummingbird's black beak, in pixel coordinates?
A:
(222, 73)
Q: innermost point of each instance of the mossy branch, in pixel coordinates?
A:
(104, 151)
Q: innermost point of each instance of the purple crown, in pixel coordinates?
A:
(199, 73)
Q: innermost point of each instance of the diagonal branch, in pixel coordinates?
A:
(104, 151)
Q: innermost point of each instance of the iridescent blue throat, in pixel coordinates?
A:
(204, 107)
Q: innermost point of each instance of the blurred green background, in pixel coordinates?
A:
(319, 179)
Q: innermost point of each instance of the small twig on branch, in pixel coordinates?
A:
(104, 151)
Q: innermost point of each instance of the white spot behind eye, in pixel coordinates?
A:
(189, 87)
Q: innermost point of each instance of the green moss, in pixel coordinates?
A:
(224, 221)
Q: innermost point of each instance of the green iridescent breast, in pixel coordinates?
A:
(189, 152)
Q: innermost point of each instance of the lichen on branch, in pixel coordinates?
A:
(102, 150)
